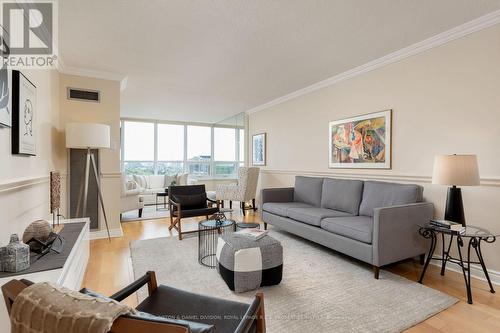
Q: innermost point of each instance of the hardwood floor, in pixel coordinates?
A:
(110, 268)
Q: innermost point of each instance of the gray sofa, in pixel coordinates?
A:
(375, 222)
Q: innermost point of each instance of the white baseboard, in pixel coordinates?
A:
(99, 234)
(475, 271)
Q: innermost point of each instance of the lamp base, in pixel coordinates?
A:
(454, 206)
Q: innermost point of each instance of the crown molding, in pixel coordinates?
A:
(96, 74)
(460, 31)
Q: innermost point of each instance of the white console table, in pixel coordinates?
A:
(70, 275)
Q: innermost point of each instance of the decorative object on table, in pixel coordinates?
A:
(247, 225)
(259, 149)
(455, 170)
(244, 190)
(208, 234)
(89, 136)
(5, 96)
(361, 142)
(450, 225)
(54, 242)
(39, 230)
(55, 196)
(14, 257)
(254, 234)
(247, 264)
(23, 115)
(475, 235)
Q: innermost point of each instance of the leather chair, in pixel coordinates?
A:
(189, 201)
(164, 303)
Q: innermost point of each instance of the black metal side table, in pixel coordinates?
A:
(475, 235)
(208, 235)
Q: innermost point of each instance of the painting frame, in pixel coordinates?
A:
(259, 150)
(374, 160)
(5, 104)
(24, 112)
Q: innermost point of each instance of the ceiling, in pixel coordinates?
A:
(204, 60)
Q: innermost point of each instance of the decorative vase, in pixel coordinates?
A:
(14, 257)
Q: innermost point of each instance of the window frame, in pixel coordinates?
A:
(185, 162)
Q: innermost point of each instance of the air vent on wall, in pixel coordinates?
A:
(84, 95)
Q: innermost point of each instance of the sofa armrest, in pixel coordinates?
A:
(283, 194)
(395, 232)
(134, 192)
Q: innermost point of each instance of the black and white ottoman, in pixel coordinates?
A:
(246, 264)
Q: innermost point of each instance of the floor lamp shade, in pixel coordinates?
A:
(88, 135)
(455, 170)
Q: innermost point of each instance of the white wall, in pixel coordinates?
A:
(24, 181)
(445, 100)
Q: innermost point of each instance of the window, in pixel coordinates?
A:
(170, 149)
(165, 149)
(199, 150)
(139, 145)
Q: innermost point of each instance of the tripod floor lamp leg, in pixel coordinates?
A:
(86, 184)
(100, 194)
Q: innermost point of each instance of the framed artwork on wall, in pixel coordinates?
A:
(259, 149)
(23, 115)
(5, 97)
(362, 142)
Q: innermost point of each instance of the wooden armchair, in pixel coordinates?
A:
(189, 201)
(165, 303)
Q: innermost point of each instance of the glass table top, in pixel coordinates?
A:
(217, 223)
(470, 231)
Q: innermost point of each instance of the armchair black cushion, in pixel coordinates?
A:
(191, 201)
(225, 315)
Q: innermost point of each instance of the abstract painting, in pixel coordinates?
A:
(361, 142)
(259, 149)
(23, 115)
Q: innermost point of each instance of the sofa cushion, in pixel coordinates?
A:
(141, 181)
(359, 228)
(342, 194)
(308, 190)
(313, 216)
(281, 208)
(170, 179)
(381, 194)
(156, 181)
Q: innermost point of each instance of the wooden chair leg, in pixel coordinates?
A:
(261, 315)
(253, 205)
(179, 228)
(422, 259)
(140, 213)
(230, 204)
(265, 226)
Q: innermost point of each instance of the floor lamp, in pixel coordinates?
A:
(89, 136)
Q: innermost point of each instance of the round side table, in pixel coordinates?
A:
(208, 234)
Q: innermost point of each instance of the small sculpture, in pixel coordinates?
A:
(14, 257)
(39, 230)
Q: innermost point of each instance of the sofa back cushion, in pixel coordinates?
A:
(380, 194)
(342, 194)
(156, 181)
(141, 181)
(308, 190)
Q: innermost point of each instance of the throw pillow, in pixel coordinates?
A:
(171, 180)
(193, 201)
(141, 181)
(182, 179)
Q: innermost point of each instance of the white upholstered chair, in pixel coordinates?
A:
(131, 196)
(242, 191)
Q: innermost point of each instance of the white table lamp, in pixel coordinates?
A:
(455, 170)
(89, 136)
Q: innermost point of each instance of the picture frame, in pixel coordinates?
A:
(259, 149)
(361, 142)
(23, 115)
(5, 97)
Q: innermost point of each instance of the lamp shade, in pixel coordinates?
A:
(87, 135)
(460, 170)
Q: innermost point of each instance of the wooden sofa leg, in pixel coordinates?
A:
(253, 205)
(422, 259)
(230, 204)
(376, 271)
(265, 226)
(140, 212)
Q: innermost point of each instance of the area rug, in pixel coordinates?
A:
(148, 213)
(321, 290)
